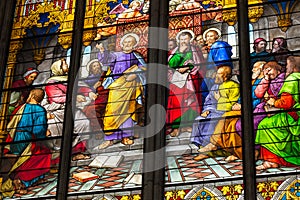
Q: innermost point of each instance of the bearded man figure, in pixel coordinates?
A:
(125, 81)
(186, 79)
(56, 90)
(21, 89)
(26, 160)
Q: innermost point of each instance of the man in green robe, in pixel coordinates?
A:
(185, 76)
(278, 135)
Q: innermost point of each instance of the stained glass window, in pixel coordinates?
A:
(139, 99)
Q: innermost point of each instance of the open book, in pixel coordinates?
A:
(271, 110)
(133, 178)
(106, 161)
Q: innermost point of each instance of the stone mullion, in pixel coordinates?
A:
(8, 51)
(249, 172)
(68, 124)
(154, 143)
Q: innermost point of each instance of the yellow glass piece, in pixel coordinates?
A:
(232, 192)
(207, 193)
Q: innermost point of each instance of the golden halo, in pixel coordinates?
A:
(91, 62)
(136, 37)
(185, 31)
(212, 29)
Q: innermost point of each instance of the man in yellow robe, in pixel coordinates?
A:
(227, 95)
(125, 80)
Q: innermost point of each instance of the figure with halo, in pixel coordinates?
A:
(185, 76)
(218, 54)
(125, 81)
(97, 69)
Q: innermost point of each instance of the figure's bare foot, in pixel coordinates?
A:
(200, 157)
(267, 165)
(22, 191)
(80, 156)
(127, 141)
(18, 184)
(174, 133)
(186, 129)
(105, 144)
(54, 170)
(231, 158)
(208, 148)
(19, 187)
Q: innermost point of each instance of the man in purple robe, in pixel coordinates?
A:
(269, 87)
(125, 80)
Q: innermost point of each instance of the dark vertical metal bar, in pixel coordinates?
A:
(154, 142)
(2, 12)
(76, 49)
(7, 11)
(249, 172)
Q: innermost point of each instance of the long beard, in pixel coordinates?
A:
(218, 80)
(127, 49)
(187, 45)
(97, 71)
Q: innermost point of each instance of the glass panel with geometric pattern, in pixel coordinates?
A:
(129, 195)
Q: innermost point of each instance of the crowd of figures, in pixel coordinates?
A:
(204, 99)
(217, 127)
(109, 101)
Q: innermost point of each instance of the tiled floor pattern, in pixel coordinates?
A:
(209, 168)
(109, 178)
(179, 169)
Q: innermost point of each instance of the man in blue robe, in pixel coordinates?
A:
(25, 160)
(219, 54)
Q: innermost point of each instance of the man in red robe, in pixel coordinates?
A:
(186, 76)
(22, 88)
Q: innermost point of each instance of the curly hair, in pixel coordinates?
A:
(38, 94)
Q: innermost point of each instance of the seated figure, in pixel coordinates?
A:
(56, 90)
(26, 160)
(278, 135)
(219, 100)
